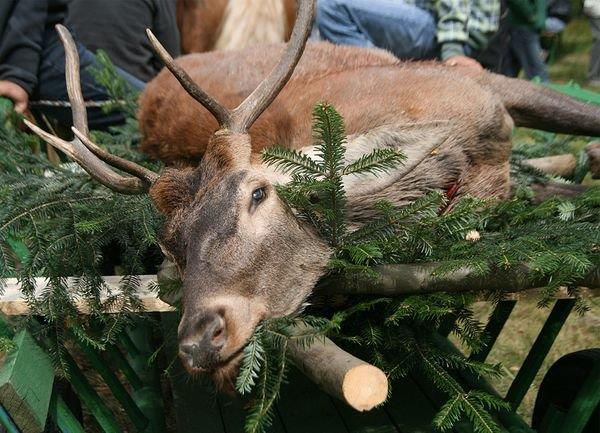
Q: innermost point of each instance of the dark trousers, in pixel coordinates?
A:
(526, 54)
(52, 85)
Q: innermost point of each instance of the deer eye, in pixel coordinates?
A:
(258, 195)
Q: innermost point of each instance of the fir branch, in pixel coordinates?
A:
(291, 161)
(252, 360)
(378, 161)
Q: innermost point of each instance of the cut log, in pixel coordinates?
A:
(556, 165)
(545, 191)
(341, 375)
(593, 154)
(419, 278)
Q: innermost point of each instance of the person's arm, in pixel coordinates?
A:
(20, 50)
(452, 34)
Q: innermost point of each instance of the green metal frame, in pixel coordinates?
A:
(142, 405)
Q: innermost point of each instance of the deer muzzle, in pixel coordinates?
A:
(202, 348)
(213, 334)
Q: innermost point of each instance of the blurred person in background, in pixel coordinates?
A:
(119, 29)
(454, 31)
(592, 9)
(32, 59)
(526, 20)
(559, 15)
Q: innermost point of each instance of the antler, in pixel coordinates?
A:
(241, 118)
(84, 151)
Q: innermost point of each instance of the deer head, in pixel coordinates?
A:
(242, 254)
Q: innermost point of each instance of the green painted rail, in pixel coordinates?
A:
(561, 310)
(493, 328)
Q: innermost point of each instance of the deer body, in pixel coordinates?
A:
(383, 102)
(242, 254)
(455, 127)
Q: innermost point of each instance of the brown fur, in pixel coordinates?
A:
(199, 22)
(205, 25)
(245, 260)
(335, 74)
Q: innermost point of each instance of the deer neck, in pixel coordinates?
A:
(228, 151)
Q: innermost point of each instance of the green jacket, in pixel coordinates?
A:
(527, 13)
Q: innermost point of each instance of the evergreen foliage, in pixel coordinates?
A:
(557, 239)
(55, 221)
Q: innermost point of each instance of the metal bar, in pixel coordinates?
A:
(538, 352)
(493, 328)
(7, 421)
(149, 397)
(90, 398)
(63, 417)
(121, 363)
(116, 387)
(509, 419)
(585, 403)
(130, 348)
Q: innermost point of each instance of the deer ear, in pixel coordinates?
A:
(174, 189)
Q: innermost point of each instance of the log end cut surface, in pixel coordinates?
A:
(365, 387)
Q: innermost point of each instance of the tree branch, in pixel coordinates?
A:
(340, 374)
(593, 154)
(557, 165)
(413, 279)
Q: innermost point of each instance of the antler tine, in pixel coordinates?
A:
(258, 101)
(222, 114)
(77, 150)
(72, 80)
(116, 161)
(240, 119)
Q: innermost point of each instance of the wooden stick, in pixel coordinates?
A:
(545, 191)
(412, 279)
(593, 154)
(359, 384)
(557, 165)
(393, 280)
(26, 378)
(12, 302)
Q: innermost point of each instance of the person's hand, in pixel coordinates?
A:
(463, 61)
(16, 93)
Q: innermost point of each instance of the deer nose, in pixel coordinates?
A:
(201, 348)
